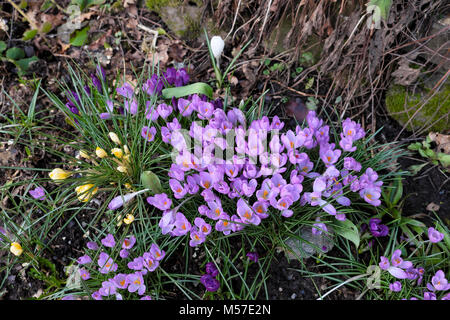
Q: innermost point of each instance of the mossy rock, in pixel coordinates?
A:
(183, 19)
(402, 105)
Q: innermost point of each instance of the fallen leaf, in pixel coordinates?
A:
(442, 141)
(433, 206)
(405, 75)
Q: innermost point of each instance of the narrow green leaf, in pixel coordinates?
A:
(398, 190)
(195, 88)
(413, 222)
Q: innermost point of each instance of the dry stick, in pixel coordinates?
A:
(265, 21)
(234, 20)
(296, 91)
(33, 25)
(343, 283)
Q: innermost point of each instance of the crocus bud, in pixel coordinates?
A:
(119, 201)
(117, 152)
(114, 138)
(85, 193)
(84, 154)
(59, 174)
(122, 169)
(16, 249)
(217, 45)
(100, 152)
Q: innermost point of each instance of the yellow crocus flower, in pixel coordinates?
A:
(100, 152)
(85, 193)
(114, 138)
(16, 249)
(59, 174)
(117, 152)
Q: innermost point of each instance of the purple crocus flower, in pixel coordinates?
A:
(160, 201)
(429, 296)
(395, 287)
(136, 283)
(126, 91)
(38, 193)
(377, 229)
(121, 281)
(211, 269)
(124, 253)
(106, 263)
(196, 238)
(149, 262)
(84, 274)
(434, 235)
(211, 284)
(156, 252)
(396, 269)
(246, 213)
(347, 144)
(150, 111)
(131, 106)
(137, 264)
(154, 85)
(92, 245)
(371, 195)
(179, 191)
(109, 241)
(252, 256)
(330, 156)
(185, 107)
(129, 242)
(438, 282)
(84, 259)
(319, 227)
(146, 298)
(182, 225)
(224, 224)
(164, 110)
(351, 164)
(148, 133)
(96, 82)
(96, 296)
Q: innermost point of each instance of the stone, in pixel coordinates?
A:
(402, 105)
(320, 243)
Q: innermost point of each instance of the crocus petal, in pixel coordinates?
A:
(397, 272)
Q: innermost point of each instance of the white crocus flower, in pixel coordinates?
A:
(217, 45)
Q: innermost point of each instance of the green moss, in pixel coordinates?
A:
(156, 5)
(402, 106)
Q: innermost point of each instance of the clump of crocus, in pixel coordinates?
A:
(377, 229)
(209, 279)
(120, 278)
(396, 266)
